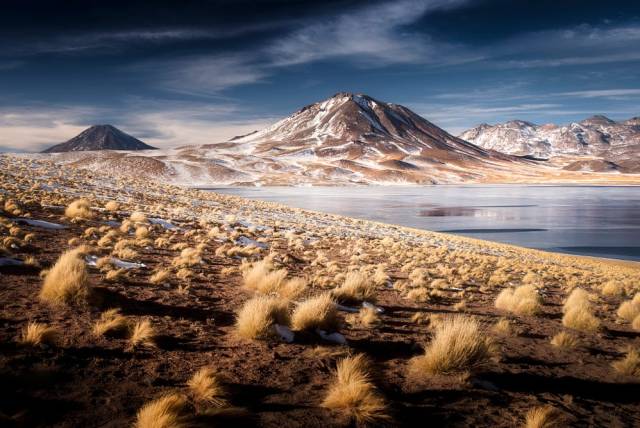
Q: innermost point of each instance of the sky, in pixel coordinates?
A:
(194, 72)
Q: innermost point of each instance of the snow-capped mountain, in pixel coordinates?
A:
(348, 138)
(596, 136)
(100, 137)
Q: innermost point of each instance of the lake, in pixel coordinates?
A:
(587, 220)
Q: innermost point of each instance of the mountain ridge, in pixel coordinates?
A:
(100, 137)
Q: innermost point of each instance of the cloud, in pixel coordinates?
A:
(603, 93)
(377, 34)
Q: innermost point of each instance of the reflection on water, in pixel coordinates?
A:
(599, 221)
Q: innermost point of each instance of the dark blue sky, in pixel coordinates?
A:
(202, 71)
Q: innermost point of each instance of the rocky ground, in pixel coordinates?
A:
(205, 244)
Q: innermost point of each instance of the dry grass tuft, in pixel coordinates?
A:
(142, 334)
(457, 345)
(160, 276)
(164, 412)
(356, 287)
(565, 340)
(111, 206)
(259, 314)
(354, 393)
(502, 327)
(630, 309)
(523, 300)
(206, 387)
(580, 318)
(67, 281)
(138, 217)
(366, 318)
(261, 277)
(629, 365)
(543, 417)
(79, 209)
(110, 321)
(316, 313)
(36, 333)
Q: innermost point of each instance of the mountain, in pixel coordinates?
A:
(100, 137)
(346, 139)
(596, 136)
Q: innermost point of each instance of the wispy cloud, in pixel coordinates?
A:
(603, 93)
(376, 34)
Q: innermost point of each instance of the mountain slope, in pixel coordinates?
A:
(100, 137)
(596, 136)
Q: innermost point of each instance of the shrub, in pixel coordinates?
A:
(259, 314)
(205, 386)
(165, 412)
(354, 393)
(523, 300)
(316, 312)
(80, 208)
(67, 281)
(457, 345)
(36, 333)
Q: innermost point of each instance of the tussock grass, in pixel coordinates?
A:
(111, 206)
(142, 335)
(543, 417)
(67, 282)
(138, 217)
(354, 393)
(565, 340)
(164, 412)
(261, 277)
(188, 257)
(502, 327)
(630, 309)
(316, 312)
(457, 345)
(205, 386)
(357, 286)
(629, 365)
(256, 318)
(577, 312)
(36, 333)
(160, 276)
(111, 321)
(366, 318)
(79, 209)
(522, 300)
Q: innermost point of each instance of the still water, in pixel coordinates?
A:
(595, 221)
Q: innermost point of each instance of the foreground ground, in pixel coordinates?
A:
(183, 263)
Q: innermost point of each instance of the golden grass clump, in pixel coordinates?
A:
(205, 386)
(630, 309)
(79, 209)
(261, 277)
(36, 333)
(612, 288)
(565, 340)
(188, 257)
(354, 393)
(316, 313)
(366, 318)
(138, 217)
(111, 321)
(67, 282)
(457, 345)
(635, 324)
(357, 286)
(164, 412)
(142, 232)
(522, 300)
(142, 334)
(577, 312)
(502, 327)
(111, 206)
(160, 276)
(629, 365)
(259, 314)
(543, 417)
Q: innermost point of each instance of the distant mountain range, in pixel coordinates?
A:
(596, 136)
(100, 137)
(356, 139)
